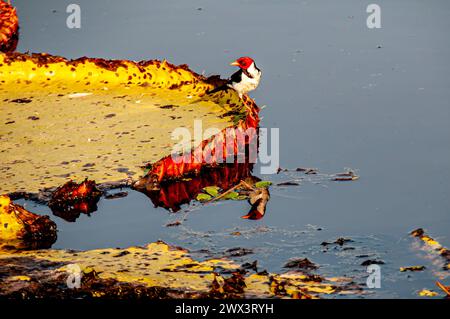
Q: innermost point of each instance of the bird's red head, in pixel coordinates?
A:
(243, 63)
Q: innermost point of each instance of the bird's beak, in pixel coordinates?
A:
(235, 63)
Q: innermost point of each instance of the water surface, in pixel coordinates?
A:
(342, 95)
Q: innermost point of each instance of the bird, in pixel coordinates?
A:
(244, 80)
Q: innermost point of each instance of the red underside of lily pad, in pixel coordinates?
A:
(9, 27)
(168, 169)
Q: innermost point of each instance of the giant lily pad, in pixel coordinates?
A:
(22, 229)
(66, 120)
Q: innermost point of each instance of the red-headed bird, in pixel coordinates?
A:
(246, 79)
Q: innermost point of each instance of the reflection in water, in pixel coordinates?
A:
(72, 212)
(165, 186)
(72, 199)
(172, 195)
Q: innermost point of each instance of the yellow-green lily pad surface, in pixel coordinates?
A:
(163, 266)
(94, 118)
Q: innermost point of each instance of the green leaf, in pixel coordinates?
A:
(231, 195)
(203, 197)
(212, 190)
(263, 184)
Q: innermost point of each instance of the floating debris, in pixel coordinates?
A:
(116, 195)
(280, 169)
(229, 287)
(350, 175)
(340, 242)
(372, 262)
(315, 176)
(250, 266)
(412, 268)
(288, 183)
(300, 263)
(434, 245)
(174, 224)
(444, 288)
(427, 293)
(238, 252)
(307, 171)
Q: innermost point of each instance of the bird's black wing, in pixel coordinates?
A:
(236, 77)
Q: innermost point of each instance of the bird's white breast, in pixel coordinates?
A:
(247, 83)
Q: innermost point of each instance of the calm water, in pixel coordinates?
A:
(342, 95)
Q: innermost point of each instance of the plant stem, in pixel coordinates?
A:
(224, 193)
